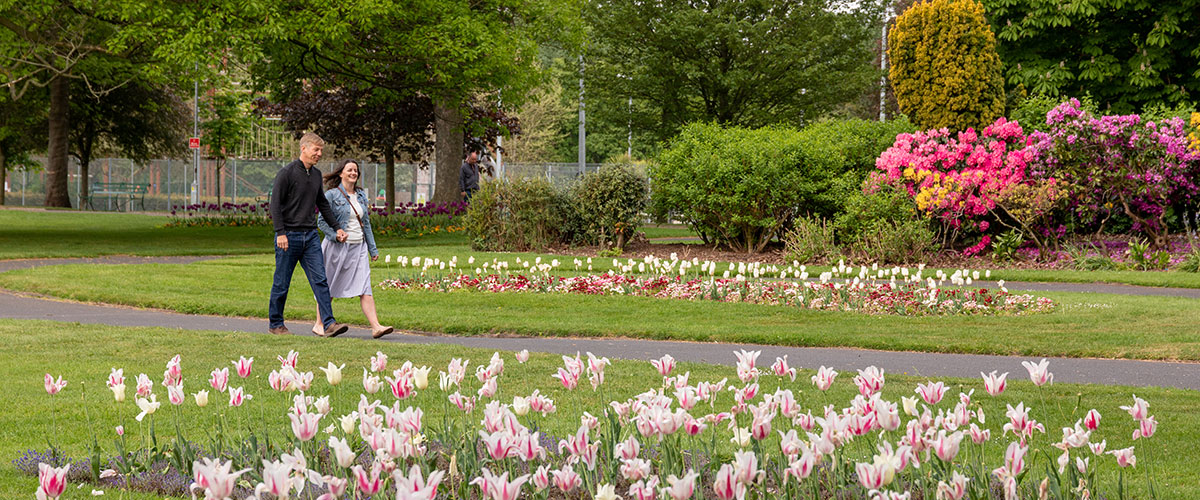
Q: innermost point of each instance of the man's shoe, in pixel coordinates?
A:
(381, 332)
(279, 330)
(335, 329)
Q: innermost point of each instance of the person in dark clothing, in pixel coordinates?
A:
(295, 199)
(468, 177)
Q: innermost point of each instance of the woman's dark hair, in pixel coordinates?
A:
(332, 179)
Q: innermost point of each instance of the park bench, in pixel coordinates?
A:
(128, 191)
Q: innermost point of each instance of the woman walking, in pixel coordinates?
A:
(346, 264)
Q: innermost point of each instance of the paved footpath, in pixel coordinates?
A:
(1095, 371)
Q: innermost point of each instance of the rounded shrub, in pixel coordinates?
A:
(609, 203)
(844, 151)
(944, 65)
(736, 187)
(516, 215)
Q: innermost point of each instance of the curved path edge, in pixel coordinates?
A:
(1071, 370)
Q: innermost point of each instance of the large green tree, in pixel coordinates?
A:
(1125, 53)
(22, 131)
(133, 118)
(43, 44)
(736, 63)
(452, 52)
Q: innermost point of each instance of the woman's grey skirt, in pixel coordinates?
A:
(347, 268)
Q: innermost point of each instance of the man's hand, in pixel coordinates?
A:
(281, 242)
(376, 257)
(341, 236)
(464, 194)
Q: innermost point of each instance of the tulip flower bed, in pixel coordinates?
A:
(886, 291)
(418, 219)
(409, 220)
(222, 215)
(767, 433)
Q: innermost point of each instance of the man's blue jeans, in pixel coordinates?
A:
(304, 247)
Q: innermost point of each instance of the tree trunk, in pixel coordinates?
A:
(86, 139)
(4, 175)
(389, 161)
(448, 151)
(57, 190)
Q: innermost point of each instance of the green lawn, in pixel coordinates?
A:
(83, 355)
(1085, 325)
(26, 234)
(61, 233)
(668, 231)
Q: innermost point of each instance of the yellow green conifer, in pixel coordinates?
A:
(944, 65)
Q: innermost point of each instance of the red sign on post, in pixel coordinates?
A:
(194, 143)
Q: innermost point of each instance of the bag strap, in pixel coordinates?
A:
(356, 216)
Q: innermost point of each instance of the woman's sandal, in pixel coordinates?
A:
(319, 333)
(381, 332)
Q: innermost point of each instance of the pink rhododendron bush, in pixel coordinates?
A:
(1080, 172)
(870, 291)
(476, 430)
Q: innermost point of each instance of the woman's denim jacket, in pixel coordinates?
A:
(341, 207)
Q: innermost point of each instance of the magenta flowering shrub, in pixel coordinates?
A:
(959, 178)
(1119, 162)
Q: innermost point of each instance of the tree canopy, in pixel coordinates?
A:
(1125, 53)
(735, 63)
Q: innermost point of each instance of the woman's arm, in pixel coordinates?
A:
(368, 234)
(324, 225)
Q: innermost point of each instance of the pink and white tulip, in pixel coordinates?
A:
(243, 366)
(1125, 457)
(566, 479)
(289, 360)
(994, 384)
(824, 378)
(237, 397)
(368, 483)
(52, 481)
(1039, 373)
(931, 392)
(219, 379)
(52, 386)
(781, 369)
(726, 485)
(681, 488)
(664, 365)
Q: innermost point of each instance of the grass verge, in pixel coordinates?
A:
(1084, 325)
(28, 234)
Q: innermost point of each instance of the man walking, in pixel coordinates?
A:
(295, 198)
(468, 176)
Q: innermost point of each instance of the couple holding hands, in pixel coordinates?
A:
(337, 267)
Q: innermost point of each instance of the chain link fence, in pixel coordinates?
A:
(172, 182)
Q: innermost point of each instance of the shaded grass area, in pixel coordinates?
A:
(1084, 325)
(83, 355)
(26, 234)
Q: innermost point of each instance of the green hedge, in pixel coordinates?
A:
(602, 208)
(741, 188)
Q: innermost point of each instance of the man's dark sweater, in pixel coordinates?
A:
(297, 191)
(468, 177)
